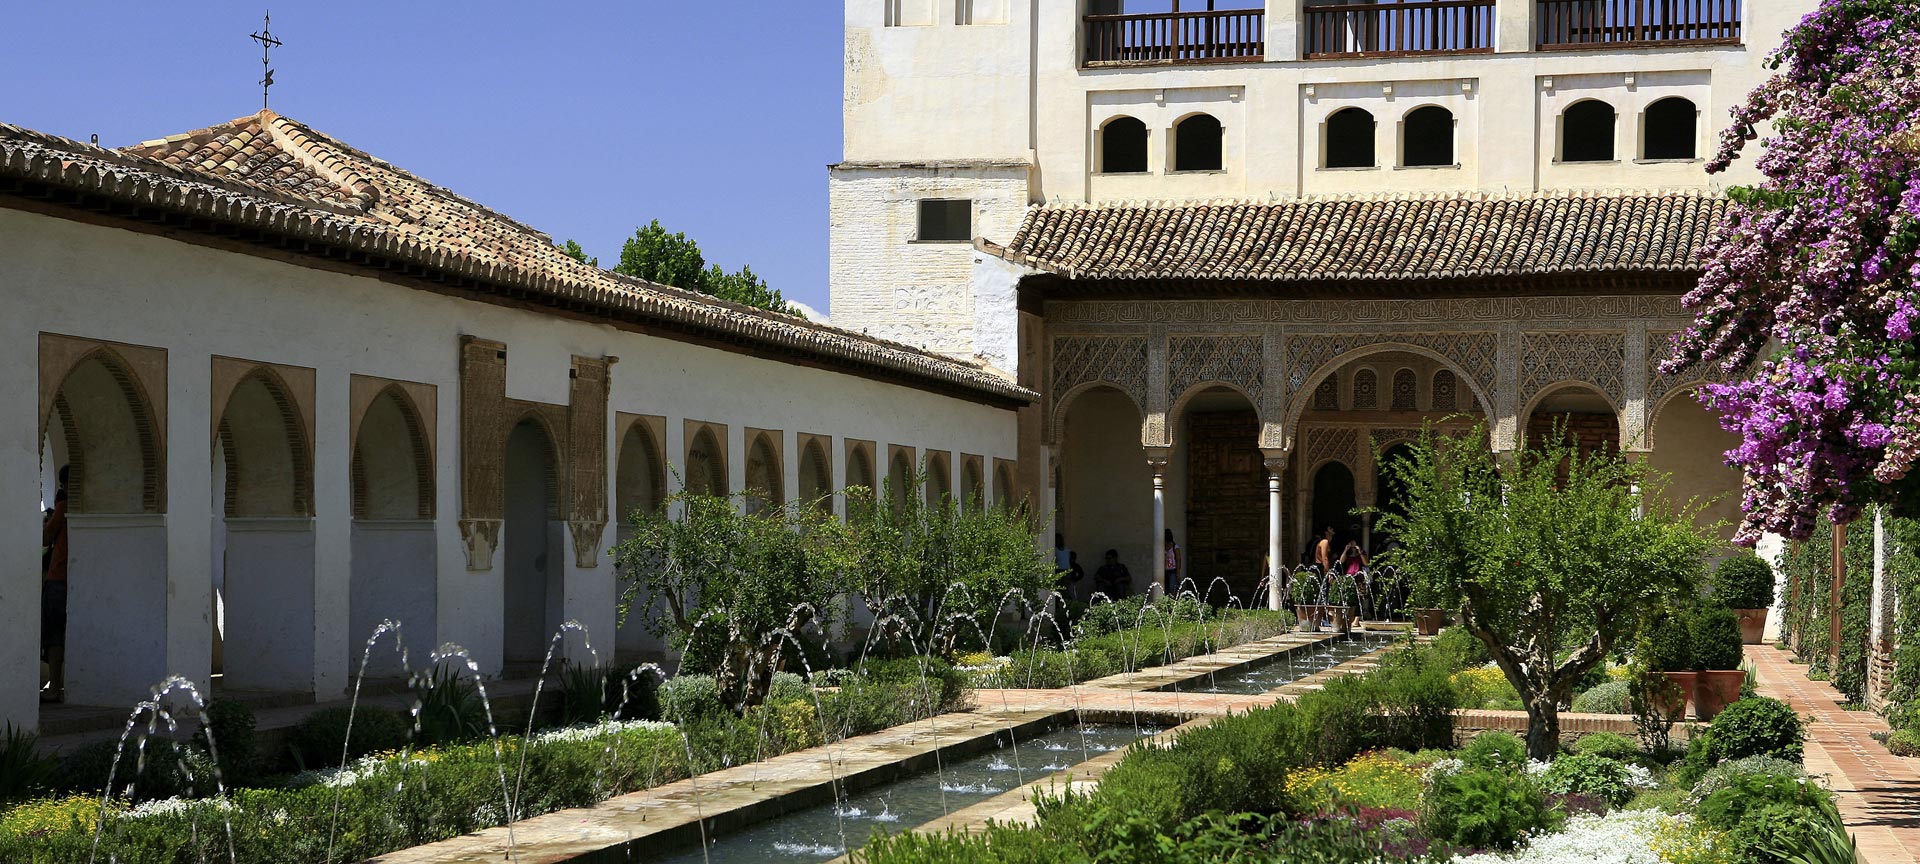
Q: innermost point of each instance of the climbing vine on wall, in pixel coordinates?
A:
(1856, 613)
(1809, 570)
(1903, 567)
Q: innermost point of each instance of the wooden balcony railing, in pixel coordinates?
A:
(1573, 24)
(1231, 36)
(1399, 29)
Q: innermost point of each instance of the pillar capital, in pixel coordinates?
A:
(1276, 459)
(1158, 458)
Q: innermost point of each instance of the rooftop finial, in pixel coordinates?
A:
(267, 44)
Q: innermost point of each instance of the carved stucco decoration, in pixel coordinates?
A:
(1330, 443)
(1659, 384)
(1078, 360)
(1235, 359)
(1477, 354)
(1410, 312)
(1385, 438)
(1598, 359)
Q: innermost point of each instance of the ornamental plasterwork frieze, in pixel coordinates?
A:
(1475, 353)
(1435, 311)
(1659, 384)
(1117, 360)
(1598, 359)
(1330, 443)
(1235, 359)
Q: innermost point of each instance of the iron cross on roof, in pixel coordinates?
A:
(267, 44)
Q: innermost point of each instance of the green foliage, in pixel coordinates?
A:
(1757, 727)
(1810, 575)
(1610, 745)
(688, 697)
(1483, 809)
(1656, 703)
(319, 739)
(24, 773)
(572, 250)
(1459, 649)
(169, 769)
(1767, 812)
(1826, 843)
(1495, 751)
(1856, 614)
(1744, 581)
(1713, 633)
(1589, 774)
(1552, 558)
(1130, 649)
(1904, 742)
(451, 711)
(672, 259)
(733, 575)
(1666, 642)
(1727, 774)
(1903, 567)
(1609, 698)
(231, 724)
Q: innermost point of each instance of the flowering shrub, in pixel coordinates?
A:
(1824, 256)
(1683, 840)
(1589, 774)
(1486, 687)
(1625, 837)
(1372, 780)
(1612, 697)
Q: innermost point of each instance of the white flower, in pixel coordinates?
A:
(1621, 837)
(1640, 778)
(596, 731)
(1537, 768)
(1442, 768)
(175, 807)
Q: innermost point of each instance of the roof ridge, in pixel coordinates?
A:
(1678, 192)
(299, 144)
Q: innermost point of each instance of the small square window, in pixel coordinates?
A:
(946, 221)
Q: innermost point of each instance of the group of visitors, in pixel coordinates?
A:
(1113, 579)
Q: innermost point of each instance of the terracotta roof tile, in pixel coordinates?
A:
(274, 175)
(1451, 236)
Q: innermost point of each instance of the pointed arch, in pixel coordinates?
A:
(640, 474)
(939, 484)
(269, 461)
(392, 463)
(765, 474)
(706, 462)
(1331, 368)
(816, 473)
(973, 482)
(114, 444)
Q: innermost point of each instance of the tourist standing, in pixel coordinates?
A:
(1113, 579)
(1353, 562)
(1172, 565)
(1323, 551)
(53, 596)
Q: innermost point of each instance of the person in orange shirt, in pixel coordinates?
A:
(53, 596)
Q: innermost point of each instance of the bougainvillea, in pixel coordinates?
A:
(1821, 256)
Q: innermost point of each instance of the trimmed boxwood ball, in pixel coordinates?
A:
(1757, 727)
(1495, 751)
(1744, 581)
(1666, 643)
(1713, 634)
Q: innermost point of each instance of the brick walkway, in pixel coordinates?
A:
(1879, 793)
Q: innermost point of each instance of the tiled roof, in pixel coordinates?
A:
(1452, 236)
(278, 179)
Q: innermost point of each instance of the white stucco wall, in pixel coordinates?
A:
(110, 284)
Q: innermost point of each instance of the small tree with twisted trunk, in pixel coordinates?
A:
(1552, 557)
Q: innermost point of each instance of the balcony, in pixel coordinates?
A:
(1398, 29)
(1227, 36)
(1575, 24)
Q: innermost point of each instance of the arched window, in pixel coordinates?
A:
(1404, 395)
(1669, 130)
(1197, 144)
(1326, 397)
(764, 475)
(1366, 389)
(1446, 391)
(1586, 132)
(1426, 137)
(1123, 146)
(1350, 139)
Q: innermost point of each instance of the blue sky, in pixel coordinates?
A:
(584, 119)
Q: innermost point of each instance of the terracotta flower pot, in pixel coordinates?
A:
(1342, 619)
(1686, 683)
(1304, 618)
(1753, 625)
(1429, 621)
(1715, 689)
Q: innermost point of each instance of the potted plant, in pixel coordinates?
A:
(1340, 597)
(1666, 647)
(1715, 638)
(1744, 583)
(1306, 590)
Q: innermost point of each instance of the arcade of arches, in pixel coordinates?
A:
(1245, 440)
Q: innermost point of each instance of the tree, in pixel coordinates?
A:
(929, 569)
(1552, 558)
(572, 250)
(654, 255)
(731, 581)
(1822, 257)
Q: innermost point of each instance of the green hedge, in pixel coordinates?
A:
(1856, 612)
(1112, 653)
(1903, 566)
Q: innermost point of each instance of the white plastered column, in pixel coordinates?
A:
(19, 527)
(1157, 459)
(332, 533)
(190, 515)
(1276, 462)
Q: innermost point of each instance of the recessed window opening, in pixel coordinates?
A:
(945, 220)
(1123, 147)
(1669, 130)
(1427, 137)
(1586, 132)
(1350, 139)
(1197, 144)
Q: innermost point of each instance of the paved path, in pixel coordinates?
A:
(1879, 793)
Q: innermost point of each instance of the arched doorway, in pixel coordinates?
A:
(263, 576)
(104, 450)
(1580, 411)
(1225, 523)
(639, 492)
(1106, 488)
(394, 548)
(530, 551)
(1690, 448)
(1333, 503)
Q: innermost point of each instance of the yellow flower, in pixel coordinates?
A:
(50, 816)
(1681, 840)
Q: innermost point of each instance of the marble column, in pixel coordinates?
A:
(1158, 462)
(1276, 568)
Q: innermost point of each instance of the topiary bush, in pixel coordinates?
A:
(1713, 633)
(684, 698)
(1904, 742)
(1613, 697)
(1610, 745)
(1744, 581)
(1589, 774)
(1757, 727)
(1666, 643)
